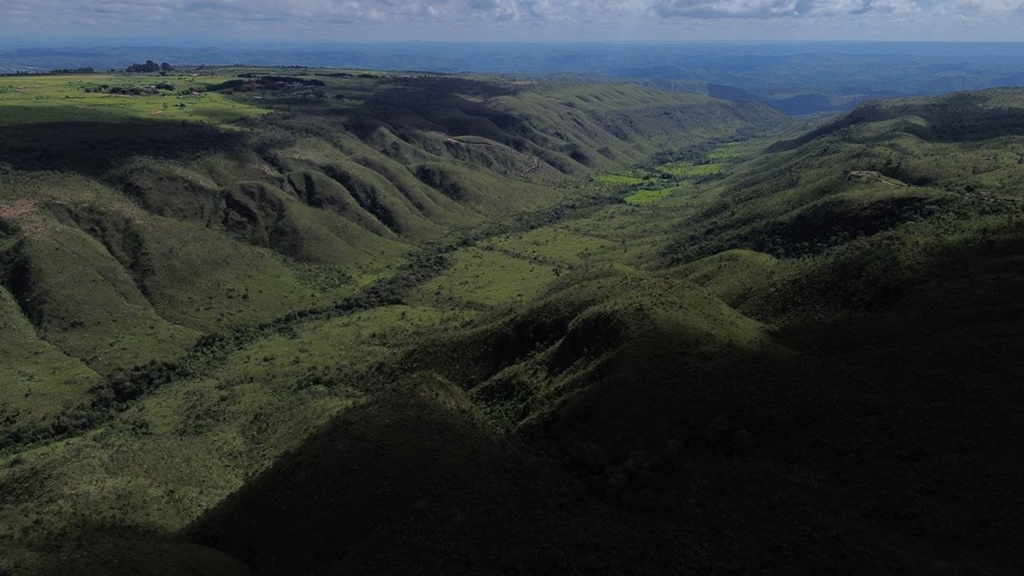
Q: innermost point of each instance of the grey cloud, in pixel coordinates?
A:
(493, 19)
(463, 10)
(777, 8)
(990, 5)
(726, 8)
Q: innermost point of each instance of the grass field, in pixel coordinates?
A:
(649, 185)
(687, 170)
(43, 99)
(641, 197)
(481, 279)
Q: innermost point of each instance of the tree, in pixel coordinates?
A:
(149, 66)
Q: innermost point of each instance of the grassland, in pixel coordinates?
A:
(406, 324)
(43, 99)
(483, 279)
(645, 196)
(691, 170)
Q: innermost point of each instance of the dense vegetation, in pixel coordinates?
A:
(329, 321)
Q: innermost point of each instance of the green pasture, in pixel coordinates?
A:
(650, 196)
(480, 279)
(690, 170)
(43, 99)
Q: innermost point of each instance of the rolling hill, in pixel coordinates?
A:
(431, 324)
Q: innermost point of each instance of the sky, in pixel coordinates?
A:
(65, 22)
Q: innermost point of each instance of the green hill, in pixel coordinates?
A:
(175, 220)
(423, 324)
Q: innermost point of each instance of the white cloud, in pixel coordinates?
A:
(990, 5)
(779, 8)
(730, 8)
(513, 19)
(895, 6)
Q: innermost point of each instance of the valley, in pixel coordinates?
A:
(321, 321)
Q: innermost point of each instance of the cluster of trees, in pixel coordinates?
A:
(248, 82)
(150, 66)
(129, 90)
(55, 72)
(62, 71)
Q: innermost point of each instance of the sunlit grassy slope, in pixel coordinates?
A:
(158, 232)
(35, 99)
(422, 324)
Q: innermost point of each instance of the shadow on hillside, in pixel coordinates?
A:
(404, 485)
(952, 119)
(92, 148)
(404, 106)
(399, 485)
(926, 425)
(878, 440)
(446, 105)
(97, 547)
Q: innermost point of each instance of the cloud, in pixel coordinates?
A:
(780, 8)
(990, 5)
(511, 19)
(397, 11)
(730, 8)
(893, 6)
(401, 11)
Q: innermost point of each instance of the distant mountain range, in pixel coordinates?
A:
(795, 78)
